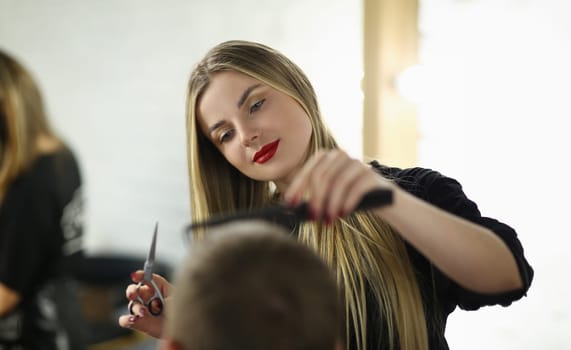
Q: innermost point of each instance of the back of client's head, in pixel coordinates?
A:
(251, 286)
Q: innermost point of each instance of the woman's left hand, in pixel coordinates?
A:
(140, 318)
(333, 183)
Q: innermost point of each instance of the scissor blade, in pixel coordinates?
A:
(151, 257)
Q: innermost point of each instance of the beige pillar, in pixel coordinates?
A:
(390, 130)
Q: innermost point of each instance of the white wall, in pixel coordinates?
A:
(496, 117)
(114, 74)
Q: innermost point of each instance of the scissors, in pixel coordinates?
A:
(156, 303)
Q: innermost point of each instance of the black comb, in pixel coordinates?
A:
(288, 216)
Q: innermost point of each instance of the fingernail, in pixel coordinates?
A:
(132, 319)
(312, 214)
(292, 202)
(133, 275)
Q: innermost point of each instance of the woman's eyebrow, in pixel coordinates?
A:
(247, 93)
(216, 126)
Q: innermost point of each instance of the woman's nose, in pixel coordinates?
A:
(249, 136)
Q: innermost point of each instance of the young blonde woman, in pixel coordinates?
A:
(40, 221)
(255, 136)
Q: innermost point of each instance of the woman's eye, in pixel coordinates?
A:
(226, 136)
(257, 105)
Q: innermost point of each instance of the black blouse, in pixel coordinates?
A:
(440, 294)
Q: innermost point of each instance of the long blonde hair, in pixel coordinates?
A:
(22, 119)
(365, 253)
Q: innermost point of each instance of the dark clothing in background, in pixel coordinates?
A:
(440, 294)
(41, 223)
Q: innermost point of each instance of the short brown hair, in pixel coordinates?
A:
(251, 286)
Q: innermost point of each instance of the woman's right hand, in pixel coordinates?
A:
(333, 183)
(141, 319)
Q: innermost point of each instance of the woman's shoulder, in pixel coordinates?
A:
(417, 180)
(432, 186)
(46, 168)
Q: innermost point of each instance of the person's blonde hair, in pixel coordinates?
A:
(22, 120)
(363, 251)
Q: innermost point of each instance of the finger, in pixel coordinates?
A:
(324, 181)
(127, 321)
(319, 183)
(367, 181)
(343, 197)
(298, 187)
(352, 199)
(163, 284)
(150, 325)
(137, 276)
(131, 292)
(135, 291)
(137, 309)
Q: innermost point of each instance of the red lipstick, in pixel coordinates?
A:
(266, 153)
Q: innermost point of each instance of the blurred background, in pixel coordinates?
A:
(477, 89)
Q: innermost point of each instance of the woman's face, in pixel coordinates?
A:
(261, 131)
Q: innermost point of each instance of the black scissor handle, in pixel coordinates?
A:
(155, 306)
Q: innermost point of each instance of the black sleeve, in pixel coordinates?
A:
(447, 194)
(24, 218)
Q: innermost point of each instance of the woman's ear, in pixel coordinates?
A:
(169, 344)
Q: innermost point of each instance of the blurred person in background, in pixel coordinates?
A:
(41, 213)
